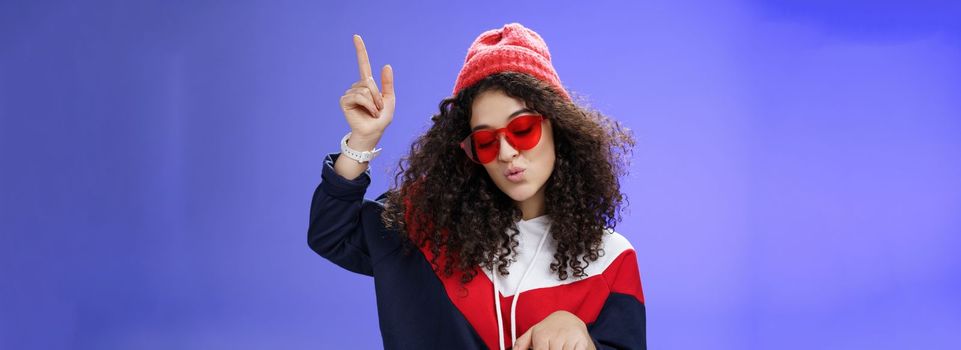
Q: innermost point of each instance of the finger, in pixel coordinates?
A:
(378, 98)
(368, 103)
(552, 344)
(541, 342)
(524, 342)
(353, 101)
(364, 91)
(362, 60)
(387, 80)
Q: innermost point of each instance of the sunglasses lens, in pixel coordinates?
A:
(524, 132)
(485, 145)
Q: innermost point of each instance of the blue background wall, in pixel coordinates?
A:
(796, 184)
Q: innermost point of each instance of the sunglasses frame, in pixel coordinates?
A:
(466, 144)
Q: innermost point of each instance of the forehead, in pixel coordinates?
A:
(492, 108)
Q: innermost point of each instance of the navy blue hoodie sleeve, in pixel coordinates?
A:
(338, 211)
(622, 322)
(620, 325)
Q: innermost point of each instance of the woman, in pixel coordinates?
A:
(510, 193)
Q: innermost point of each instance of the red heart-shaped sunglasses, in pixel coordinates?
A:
(522, 133)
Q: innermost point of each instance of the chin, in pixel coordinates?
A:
(518, 193)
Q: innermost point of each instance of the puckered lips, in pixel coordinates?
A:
(514, 174)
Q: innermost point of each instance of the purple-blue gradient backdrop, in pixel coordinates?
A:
(796, 183)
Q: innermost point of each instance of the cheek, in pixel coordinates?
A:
(545, 153)
(547, 162)
(491, 169)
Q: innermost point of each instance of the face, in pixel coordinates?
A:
(493, 109)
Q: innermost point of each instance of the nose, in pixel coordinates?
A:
(507, 151)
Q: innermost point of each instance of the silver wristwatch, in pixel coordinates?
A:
(359, 156)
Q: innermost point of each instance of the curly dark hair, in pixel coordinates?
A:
(451, 206)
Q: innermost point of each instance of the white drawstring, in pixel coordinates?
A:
(497, 305)
(497, 301)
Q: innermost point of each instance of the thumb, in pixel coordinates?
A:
(524, 341)
(387, 80)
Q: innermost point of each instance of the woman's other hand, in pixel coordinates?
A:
(560, 330)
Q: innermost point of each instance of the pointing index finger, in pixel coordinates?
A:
(362, 60)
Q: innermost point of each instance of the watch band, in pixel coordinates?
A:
(359, 156)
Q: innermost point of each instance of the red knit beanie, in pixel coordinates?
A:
(511, 48)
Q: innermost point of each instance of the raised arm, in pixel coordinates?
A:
(336, 229)
(339, 214)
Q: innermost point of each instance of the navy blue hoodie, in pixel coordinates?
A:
(419, 308)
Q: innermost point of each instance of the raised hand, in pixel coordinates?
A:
(367, 109)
